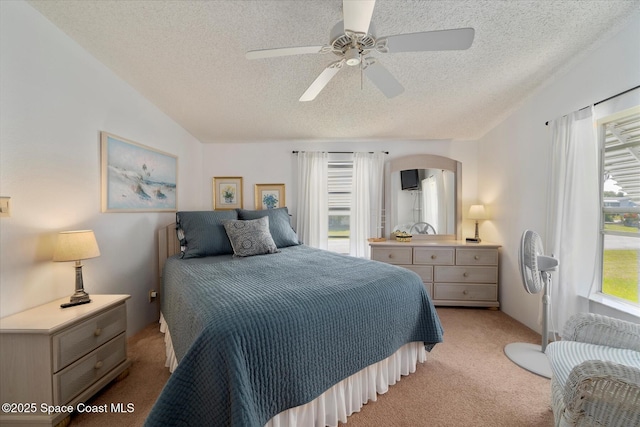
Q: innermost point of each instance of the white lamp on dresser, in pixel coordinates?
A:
(76, 246)
(476, 212)
(56, 356)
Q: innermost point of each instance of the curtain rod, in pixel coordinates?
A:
(341, 152)
(605, 100)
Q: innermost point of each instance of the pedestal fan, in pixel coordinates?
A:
(535, 269)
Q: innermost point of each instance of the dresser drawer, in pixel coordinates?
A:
(79, 340)
(74, 379)
(466, 274)
(434, 256)
(476, 256)
(393, 255)
(465, 292)
(424, 271)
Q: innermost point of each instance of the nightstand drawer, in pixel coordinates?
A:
(75, 342)
(476, 256)
(424, 271)
(433, 256)
(80, 375)
(465, 292)
(392, 255)
(466, 274)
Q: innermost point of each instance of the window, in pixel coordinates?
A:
(620, 144)
(340, 176)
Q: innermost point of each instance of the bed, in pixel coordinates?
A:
(290, 336)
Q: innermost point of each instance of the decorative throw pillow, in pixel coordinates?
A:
(279, 225)
(251, 237)
(201, 233)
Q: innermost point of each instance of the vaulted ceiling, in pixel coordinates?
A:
(188, 58)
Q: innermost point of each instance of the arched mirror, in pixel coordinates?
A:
(423, 197)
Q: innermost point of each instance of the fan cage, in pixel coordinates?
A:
(530, 248)
(344, 42)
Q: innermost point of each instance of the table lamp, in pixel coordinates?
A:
(476, 212)
(76, 246)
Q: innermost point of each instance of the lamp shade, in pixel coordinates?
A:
(477, 212)
(76, 245)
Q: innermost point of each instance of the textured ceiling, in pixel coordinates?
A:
(188, 58)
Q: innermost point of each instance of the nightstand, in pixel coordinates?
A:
(52, 357)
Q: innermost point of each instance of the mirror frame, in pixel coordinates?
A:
(423, 161)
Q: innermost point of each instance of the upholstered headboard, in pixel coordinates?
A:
(168, 245)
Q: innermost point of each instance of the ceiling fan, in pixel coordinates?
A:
(353, 39)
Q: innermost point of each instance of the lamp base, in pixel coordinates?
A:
(476, 238)
(473, 240)
(73, 304)
(79, 296)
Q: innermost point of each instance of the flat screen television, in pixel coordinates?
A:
(410, 179)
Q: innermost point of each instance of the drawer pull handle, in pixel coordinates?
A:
(98, 364)
(433, 257)
(97, 332)
(465, 274)
(390, 256)
(465, 292)
(476, 257)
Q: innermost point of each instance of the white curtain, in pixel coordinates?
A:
(366, 201)
(312, 211)
(434, 205)
(573, 213)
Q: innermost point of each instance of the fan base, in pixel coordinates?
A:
(529, 357)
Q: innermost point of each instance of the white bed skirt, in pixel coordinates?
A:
(344, 398)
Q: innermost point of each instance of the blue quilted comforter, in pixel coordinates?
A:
(255, 336)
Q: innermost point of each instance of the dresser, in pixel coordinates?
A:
(52, 359)
(455, 273)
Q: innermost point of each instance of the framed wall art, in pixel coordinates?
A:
(136, 178)
(227, 193)
(269, 196)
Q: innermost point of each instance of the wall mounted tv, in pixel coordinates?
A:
(410, 179)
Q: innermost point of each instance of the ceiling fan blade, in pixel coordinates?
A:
(357, 15)
(283, 51)
(458, 39)
(382, 78)
(321, 81)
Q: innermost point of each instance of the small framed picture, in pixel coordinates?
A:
(270, 196)
(227, 193)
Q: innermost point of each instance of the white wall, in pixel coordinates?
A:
(273, 163)
(55, 99)
(513, 163)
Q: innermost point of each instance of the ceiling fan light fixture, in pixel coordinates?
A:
(352, 57)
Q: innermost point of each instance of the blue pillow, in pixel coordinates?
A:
(279, 225)
(202, 233)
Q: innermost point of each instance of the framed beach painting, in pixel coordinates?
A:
(136, 178)
(227, 193)
(269, 196)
